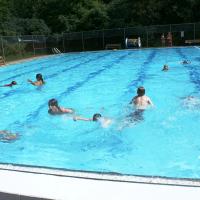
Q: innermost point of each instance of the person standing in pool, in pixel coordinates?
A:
(140, 103)
(55, 109)
(39, 80)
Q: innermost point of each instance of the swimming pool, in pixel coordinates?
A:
(165, 143)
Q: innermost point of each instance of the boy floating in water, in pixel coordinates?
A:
(39, 81)
(10, 84)
(185, 62)
(105, 122)
(6, 136)
(191, 102)
(55, 109)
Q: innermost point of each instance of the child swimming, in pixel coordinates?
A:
(7, 136)
(39, 80)
(191, 102)
(105, 122)
(184, 62)
(55, 109)
(10, 84)
(165, 68)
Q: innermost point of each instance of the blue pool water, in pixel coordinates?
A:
(165, 143)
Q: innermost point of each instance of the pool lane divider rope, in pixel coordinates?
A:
(33, 115)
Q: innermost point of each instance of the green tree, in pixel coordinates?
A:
(4, 15)
(57, 16)
(94, 16)
(128, 13)
(178, 11)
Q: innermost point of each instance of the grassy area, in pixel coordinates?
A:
(26, 55)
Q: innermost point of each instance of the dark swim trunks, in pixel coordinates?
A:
(136, 116)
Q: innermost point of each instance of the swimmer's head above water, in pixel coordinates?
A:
(141, 91)
(14, 83)
(96, 117)
(10, 84)
(39, 77)
(54, 108)
(165, 68)
(186, 62)
(53, 102)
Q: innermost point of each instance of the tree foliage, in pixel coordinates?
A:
(57, 16)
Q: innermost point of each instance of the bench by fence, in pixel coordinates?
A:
(113, 46)
(192, 41)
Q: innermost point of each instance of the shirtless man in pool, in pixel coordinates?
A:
(141, 101)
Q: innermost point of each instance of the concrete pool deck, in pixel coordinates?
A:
(70, 185)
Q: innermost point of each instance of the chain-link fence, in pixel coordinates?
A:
(19, 47)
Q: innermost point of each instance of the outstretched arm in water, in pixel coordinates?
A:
(76, 118)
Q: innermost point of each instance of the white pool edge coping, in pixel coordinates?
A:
(74, 185)
(102, 176)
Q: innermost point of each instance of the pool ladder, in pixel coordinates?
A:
(56, 51)
(2, 61)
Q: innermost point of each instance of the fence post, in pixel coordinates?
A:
(63, 42)
(147, 39)
(19, 46)
(103, 38)
(57, 43)
(45, 44)
(194, 31)
(124, 36)
(33, 46)
(3, 53)
(82, 42)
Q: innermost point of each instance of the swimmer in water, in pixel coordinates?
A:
(165, 68)
(185, 62)
(105, 122)
(39, 80)
(10, 84)
(191, 102)
(7, 136)
(55, 109)
(140, 103)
